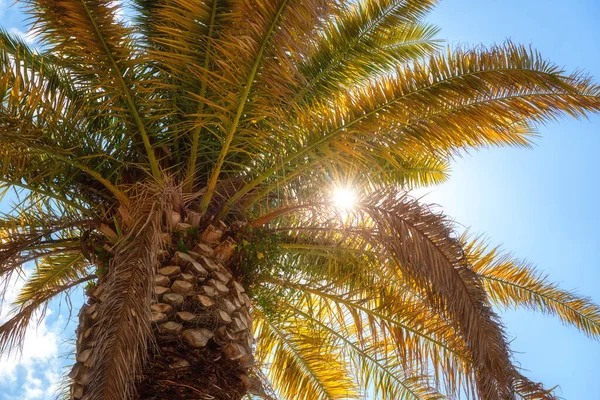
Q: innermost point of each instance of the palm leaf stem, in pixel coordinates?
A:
(392, 321)
(191, 167)
(279, 212)
(67, 243)
(214, 176)
(119, 195)
(349, 344)
(154, 166)
(325, 249)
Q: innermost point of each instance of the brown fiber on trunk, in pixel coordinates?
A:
(178, 373)
(201, 324)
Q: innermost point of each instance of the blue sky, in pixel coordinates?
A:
(538, 203)
(36, 372)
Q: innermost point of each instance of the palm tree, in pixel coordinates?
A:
(179, 158)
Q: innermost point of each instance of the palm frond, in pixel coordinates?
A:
(362, 40)
(418, 338)
(527, 390)
(12, 331)
(268, 19)
(376, 361)
(44, 193)
(426, 251)
(54, 271)
(513, 283)
(361, 288)
(123, 326)
(42, 64)
(300, 362)
(178, 36)
(448, 103)
(88, 35)
(36, 229)
(42, 145)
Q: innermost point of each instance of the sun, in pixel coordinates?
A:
(344, 198)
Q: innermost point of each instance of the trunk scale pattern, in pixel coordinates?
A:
(201, 322)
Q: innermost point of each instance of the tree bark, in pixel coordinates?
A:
(202, 327)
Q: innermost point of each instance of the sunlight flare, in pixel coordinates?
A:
(344, 198)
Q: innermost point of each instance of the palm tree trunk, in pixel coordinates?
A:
(201, 324)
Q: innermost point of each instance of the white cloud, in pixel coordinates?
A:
(36, 369)
(54, 378)
(40, 346)
(28, 37)
(31, 389)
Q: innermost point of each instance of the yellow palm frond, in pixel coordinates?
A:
(53, 271)
(55, 275)
(514, 283)
(74, 25)
(178, 38)
(300, 361)
(34, 231)
(374, 359)
(450, 102)
(47, 232)
(38, 66)
(362, 40)
(40, 113)
(396, 319)
(267, 17)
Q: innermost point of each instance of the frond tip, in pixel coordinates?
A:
(303, 363)
(256, 108)
(514, 283)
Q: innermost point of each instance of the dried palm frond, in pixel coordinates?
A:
(256, 108)
(123, 324)
(418, 249)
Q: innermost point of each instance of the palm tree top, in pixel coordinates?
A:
(251, 112)
(209, 105)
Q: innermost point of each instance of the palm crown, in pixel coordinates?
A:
(250, 112)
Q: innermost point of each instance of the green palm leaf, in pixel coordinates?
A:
(120, 128)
